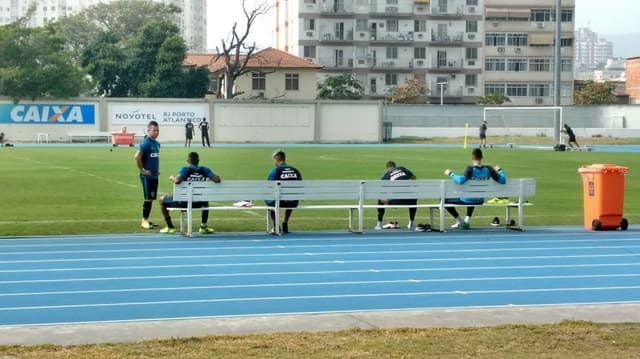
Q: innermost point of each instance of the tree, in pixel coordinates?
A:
(340, 87)
(595, 93)
(235, 51)
(104, 59)
(493, 99)
(409, 92)
(34, 63)
(123, 19)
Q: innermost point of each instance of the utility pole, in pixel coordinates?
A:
(557, 73)
(441, 84)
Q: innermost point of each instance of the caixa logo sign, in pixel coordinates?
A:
(47, 114)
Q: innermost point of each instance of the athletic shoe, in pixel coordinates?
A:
(378, 227)
(423, 228)
(243, 203)
(495, 222)
(456, 225)
(147, 225)
(285, 227)
(391, 225)
(410, 225)
(167, 230)
(206, 230)
(459, 225)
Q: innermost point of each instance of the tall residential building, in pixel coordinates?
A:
(591, 52)
(192, 20)
(460, 49)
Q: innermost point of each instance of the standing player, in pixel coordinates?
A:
(191, 173)
(282, 172)
(572, 136)
(204, 130)
(148, 161)
(394, 173)
(483, 134)
(188, 127)
(476, 172)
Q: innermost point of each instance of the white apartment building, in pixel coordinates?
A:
(192, 20)
(591, 52)
(460, 49)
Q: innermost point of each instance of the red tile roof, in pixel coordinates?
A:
(267, 58)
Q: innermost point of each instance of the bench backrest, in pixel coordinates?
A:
(351, 190)
(525, 187)
(225, 191)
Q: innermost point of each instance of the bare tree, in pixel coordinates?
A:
(235, 50)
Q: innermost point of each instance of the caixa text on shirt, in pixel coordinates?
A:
(69, 114)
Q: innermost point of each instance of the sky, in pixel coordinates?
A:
(604, 17)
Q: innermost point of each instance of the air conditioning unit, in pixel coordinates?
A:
(350, 62)
(501, 49)
(540, 25)
(471, 62)
(420, 36)
(391, 9)
(362, 61)
(517, 49)
(419, 62)
(419, 8)
(362, 34)
(471, 36)
(539, 100)
(471, 9)
(309, 33)
(471, 89)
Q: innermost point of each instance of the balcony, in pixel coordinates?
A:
(454, 11)
(447, 65)
(447, 38)
(337, 37)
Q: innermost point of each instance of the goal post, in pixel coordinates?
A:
(511, 122)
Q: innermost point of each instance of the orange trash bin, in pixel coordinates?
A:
(603, 194)
(122, 138)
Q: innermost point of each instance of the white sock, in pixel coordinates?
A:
(379, 224)
(467, 219)
(410, 223)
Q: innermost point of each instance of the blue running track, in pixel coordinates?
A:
(90, 279)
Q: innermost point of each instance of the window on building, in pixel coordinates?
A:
(391, 79)
(494, 65)
(472, 26)
(540, 15)
(420, 26)
(566, 65)
(309, 1)
(471, 80)
(392, 25)
(538, 90)
(517, 65)
(539, 65)
(339, 57)
(472, 2)
(309, 51)
(494, 39)
(566, 90)
(420, 52)
(566, 42)
(392, 2)
(441, 56)
(517, 39)
(471, 53)
(392, 52)
(258, 81)
(309, 24)
(494, 89)
(362, 24)
(565, 15)
(516, 90)
(292, 82)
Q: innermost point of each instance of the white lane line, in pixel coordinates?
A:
(214, 246)
(314, 273)
(374, 261)
(312, 297)
(306, 254)
(314, 284)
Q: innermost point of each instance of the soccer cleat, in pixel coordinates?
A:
(459, 225)
(495, 222)
(391, 225)
(147, 224)
(167, 230)
(206, 230)
(456, 225)
(378, 227)
(465, 226)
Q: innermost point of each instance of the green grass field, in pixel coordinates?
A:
(69, 190)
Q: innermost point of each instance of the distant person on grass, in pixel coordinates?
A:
(483, 134)
(204, 130)
(3, 140)
(476, 172)
(191, 173)
(282, 172)
(394, 173)
(188, 127)
(147, 159)
(572, 136)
